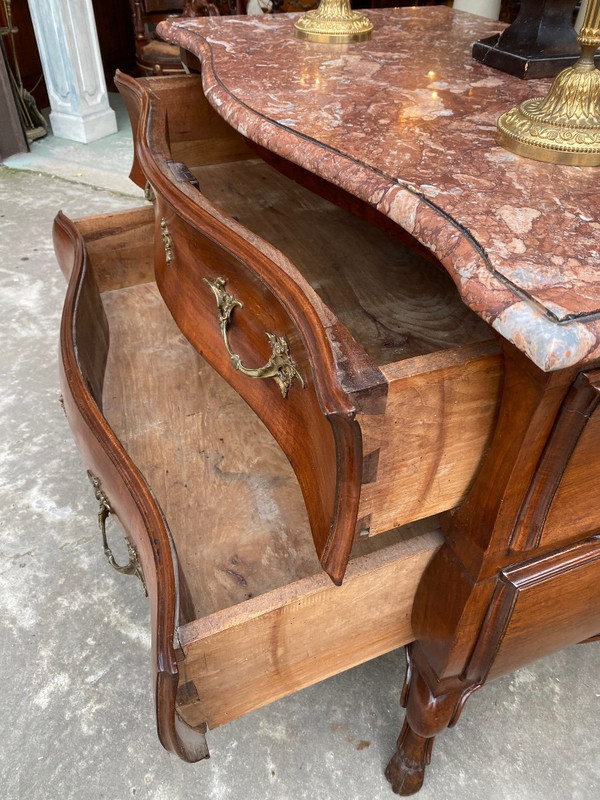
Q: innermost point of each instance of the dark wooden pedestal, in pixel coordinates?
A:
(539, 44)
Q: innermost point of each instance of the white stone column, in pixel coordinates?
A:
(485, 8)
(65, 31)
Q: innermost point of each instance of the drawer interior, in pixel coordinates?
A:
(258, 618)
(228, 492)
(230, 497)
(393, 299)
(441, 364)
(392, 295)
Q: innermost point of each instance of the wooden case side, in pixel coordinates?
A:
(130, 498)
(132, 104)
(197, 134)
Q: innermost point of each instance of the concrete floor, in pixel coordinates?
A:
(77, 708)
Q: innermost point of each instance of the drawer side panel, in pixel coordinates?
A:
(428, 445)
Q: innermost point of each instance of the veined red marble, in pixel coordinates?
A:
(407, 121)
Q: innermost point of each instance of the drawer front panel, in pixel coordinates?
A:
(188, 261)
(539, 608)
(194, 241)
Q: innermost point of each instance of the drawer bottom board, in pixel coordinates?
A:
(229, 495)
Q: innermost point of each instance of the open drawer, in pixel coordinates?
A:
(241, 612)
(400, 381)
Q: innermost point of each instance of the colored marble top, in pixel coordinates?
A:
(406, 122)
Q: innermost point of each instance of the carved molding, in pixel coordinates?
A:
(509, 631)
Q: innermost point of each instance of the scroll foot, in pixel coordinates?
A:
(406, 769)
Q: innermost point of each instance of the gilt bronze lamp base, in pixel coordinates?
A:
(564, 126)
(334, 22)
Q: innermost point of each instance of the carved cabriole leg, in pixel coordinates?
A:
(454, 613)
(406, 769)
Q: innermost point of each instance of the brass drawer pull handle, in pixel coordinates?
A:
(280, 366)
(149, 192)
(104, 509)
(167, 241)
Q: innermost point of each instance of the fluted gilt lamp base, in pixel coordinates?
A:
(536, 130)
(564, 126)
(333, 22)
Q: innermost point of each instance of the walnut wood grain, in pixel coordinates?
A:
(399, 308)
(486, 600)
(118, 244)
(539, 607)
(492, 601)
(132, 104)
(394, 302)
(438, 422)
(569, 470)
(481, 530)
(341, 486)
(202, 450)
(321, 461)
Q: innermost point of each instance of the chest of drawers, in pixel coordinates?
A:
(280, 394)
(176, 450)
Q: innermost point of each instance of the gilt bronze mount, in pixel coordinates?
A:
(167, 241)
(280, 366)
(133, 566)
